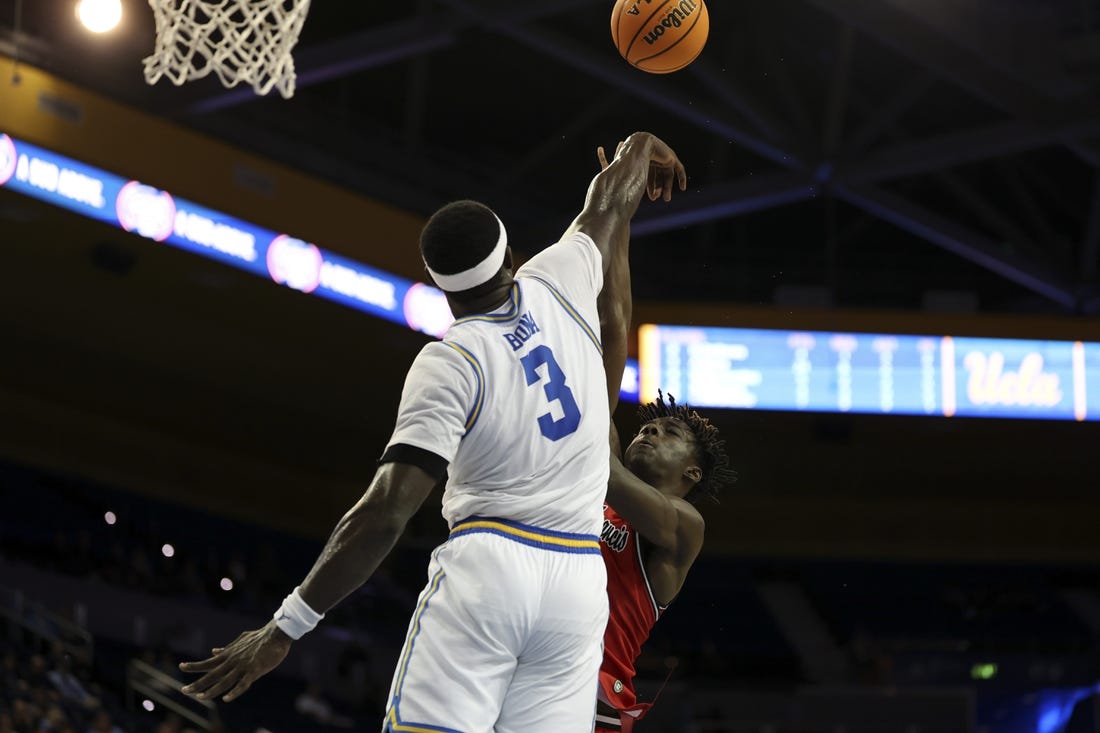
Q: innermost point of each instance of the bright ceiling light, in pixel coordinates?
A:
(99, 16)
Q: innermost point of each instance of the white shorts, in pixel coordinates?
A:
(507, 636)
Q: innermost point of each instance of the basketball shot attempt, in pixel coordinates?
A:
(510, 409)
(660, 36)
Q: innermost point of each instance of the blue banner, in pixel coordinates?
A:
(159, 216)
(871, 373)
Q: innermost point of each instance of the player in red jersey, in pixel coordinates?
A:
(652, 530)
(652, 533)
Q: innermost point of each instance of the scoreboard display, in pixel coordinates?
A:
(817, 371)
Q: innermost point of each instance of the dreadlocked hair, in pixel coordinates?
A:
(710, 446)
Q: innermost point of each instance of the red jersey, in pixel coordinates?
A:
(633, 610)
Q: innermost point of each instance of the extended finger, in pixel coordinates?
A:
(681, 175)
(667, 176)
(603, 158)
(202, 684)
(652, 188)
(204, 666)
(227, 682)
(239, 689)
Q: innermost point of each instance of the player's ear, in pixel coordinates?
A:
(693, 474)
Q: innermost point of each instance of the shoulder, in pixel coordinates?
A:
(573, 255)
(439, 362)
(691, 527)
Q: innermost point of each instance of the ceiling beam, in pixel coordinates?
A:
(585, 117)
(915, 39)
(1086, 150)
(1090, 248)
(837, 107)
(343, 56)
(968, 146)
(959, 240)
(1047, 238)
(727, 89)
(610, 69)
(882, 118)
(722, 201)
(991, 216)
(379, 46)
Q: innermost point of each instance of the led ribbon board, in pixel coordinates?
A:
(158, 215)
(872, 373)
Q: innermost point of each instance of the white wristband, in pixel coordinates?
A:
(295, 618)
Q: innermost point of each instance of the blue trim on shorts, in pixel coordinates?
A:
(525, 534)
(393, 719)
(400, 727)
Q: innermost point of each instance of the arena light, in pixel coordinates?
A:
(983, 671)
(226, 584)
(148, 705)
(110, 518)
(99, 16)
(168, 550)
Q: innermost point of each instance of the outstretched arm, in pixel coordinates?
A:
(672, 525)
(667, 521)
(362, 538)
(643, 164)
(366, 534)
(615, 306)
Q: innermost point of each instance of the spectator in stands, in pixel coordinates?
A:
(869, 664)
(9, 673)
(24, 716)
(6, 723)
(69, 685)
(171, 724)
(55, 720)
(190, 581)
(36, 673)
(102, 723)
(84, 561)
(312, 704)
(139, 573)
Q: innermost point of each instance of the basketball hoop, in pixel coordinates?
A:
(242, 41)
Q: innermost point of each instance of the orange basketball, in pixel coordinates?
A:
(659, 36)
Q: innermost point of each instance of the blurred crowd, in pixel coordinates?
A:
(56, 691)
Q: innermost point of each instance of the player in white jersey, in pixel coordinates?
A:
(511, 407)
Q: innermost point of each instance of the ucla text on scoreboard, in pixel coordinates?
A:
(872, 373)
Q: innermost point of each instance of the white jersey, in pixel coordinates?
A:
(516, 400)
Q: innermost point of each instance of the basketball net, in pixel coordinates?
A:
(242, 41)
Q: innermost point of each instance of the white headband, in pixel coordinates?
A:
(479, 273)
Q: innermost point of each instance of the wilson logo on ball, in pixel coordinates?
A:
(660, 36)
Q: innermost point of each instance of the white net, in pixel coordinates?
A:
(242, 41)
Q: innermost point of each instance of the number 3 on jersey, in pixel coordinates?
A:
(555, 390)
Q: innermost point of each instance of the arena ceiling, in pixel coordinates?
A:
(901, 154)
(841, 152)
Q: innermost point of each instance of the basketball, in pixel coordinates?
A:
(659, 36)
